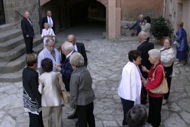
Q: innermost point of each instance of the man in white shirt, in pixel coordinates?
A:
(49, 52)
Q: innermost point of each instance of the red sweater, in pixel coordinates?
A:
(156, 82)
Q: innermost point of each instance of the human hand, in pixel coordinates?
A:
(144, 81)
(144, 69)
(58, 68)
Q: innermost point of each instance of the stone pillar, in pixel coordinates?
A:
(114, 20)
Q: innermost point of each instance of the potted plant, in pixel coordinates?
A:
(161, 28)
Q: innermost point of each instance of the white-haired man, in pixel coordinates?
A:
(138, 24)
(66, 69)
(49, 52)
(144, 47)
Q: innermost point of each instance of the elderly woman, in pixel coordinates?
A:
(51, 95)
(31, 96)
(167, 59)
(155, 100)
(137, 116)
(182, 47)
(130, 85)
(81, 92)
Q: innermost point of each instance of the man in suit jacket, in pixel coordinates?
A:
(28, 32)
(48, 19)
(79, 47)
(144, 47)
(66, 69)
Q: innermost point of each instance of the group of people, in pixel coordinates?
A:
(42, 89)
(146, 69)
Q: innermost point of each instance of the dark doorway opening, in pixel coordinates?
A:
(2, 14)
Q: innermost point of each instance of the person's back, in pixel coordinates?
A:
(51, 89)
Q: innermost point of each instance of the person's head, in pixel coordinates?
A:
(50, 44)
(142, 36)
(154, 56)
(76, 60)
(46, 25)
(31, 60)
(141, 17)
(67, 48)
(71, 38)
(167, 43)
(47, 65)
(26, 14)
(137, 116)
(135, 57)
(49, 13)
(147, 19)
(180, 24)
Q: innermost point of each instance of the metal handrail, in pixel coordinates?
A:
(19, 14)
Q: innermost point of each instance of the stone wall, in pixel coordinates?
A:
(10, 6)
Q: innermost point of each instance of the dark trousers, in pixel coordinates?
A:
(168, 71)
(154, 114)
(143, 95)
(36, 120)
(85, 115)
(29, 44)
(127, 105)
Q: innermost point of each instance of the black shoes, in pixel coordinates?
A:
(73, 116)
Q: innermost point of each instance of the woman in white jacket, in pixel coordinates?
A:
(130, 85)
(51, 95)
(167, 59)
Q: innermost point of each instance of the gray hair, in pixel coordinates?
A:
(143, 35)
(155, 53)
(48, 41)
(77, 60)
(68, 46)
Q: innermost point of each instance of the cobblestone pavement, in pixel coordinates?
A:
(106, 60)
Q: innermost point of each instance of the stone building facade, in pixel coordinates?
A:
(176, 11)
(10, 6)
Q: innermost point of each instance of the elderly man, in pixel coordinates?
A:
(66, 69)
(49, 19)
(144, 47)
(79, 47)
(138, 24)
(28, 32)
(49, 52)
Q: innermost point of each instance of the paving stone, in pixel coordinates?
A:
(8, 122)
(174, 121)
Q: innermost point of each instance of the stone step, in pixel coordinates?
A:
(10, 44)
(17, 51)
(12, 71)
(9, 34)
(15, 65)
(6, 27)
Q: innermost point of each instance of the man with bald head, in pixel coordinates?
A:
(144, 47)
(138, 24)
(28, 32)
(79, 47)
(49, 19)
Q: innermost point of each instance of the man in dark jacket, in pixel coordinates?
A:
(78, 47)
(49, 19)
(144, 47)
(28, 32)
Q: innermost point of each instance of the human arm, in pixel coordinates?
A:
(179, 35)
(134, 25)
(24, 29)
(146, 27)
(74, 86)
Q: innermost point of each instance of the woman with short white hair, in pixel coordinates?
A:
(81, 92)
(155, 100)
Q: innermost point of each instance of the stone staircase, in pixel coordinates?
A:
(12, 52)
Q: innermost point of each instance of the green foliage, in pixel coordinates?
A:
(161, 27)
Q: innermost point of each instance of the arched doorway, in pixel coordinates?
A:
(72, 13)
(2, 15)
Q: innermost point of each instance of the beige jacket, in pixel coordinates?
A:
(50, 89)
